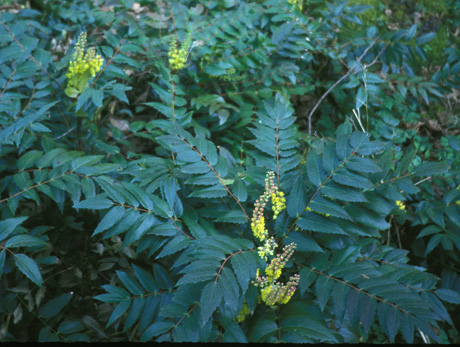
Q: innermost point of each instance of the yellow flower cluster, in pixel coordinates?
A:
(273, 271)
(273, 292)
(278, 293)
(401, 205)
(178, 57)
(82, 67)
(267, 248)
(230, 76)
(258, 227)
(296, 3)
(278, 203)
(245, 311)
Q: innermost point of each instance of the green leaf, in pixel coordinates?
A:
(448, 295)
(328, 207)
(29, 268)
(348, 178)
(110, 219)
(135, 234)
(68, 327)
(393, 322)
(170, 187)
(234, 334)
(87, 160)
(323, 289)
(146, 279)
(365, 165)
(404, 163)
(97, 96)
(231, 291)
(130, 284)
(46, 335)
(304, 243)
(112, 39)
(97, 203)
(25, 241)
(367, 217)
(216, 191)
(156, 329)
(429, 230)
(337, 191)
(83, 98)
(28, 159)
(244, 266)
(424, 39)
(339, 296)
(54, 306)
(367, 309)
(202, 274)
(175, 245)
(210, 299)
(307, 277)
(165, 110)
(121, 308)
(2, 261)
(233, 216)
(239, 190)
(315, 168)
(8, 225)
(314, 222)
(150, 310)
(297, 198)
(140, 195)
(262, 330)
(134, 312)
(162, 277)
(431, 169)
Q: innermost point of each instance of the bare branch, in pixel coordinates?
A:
(343, 77)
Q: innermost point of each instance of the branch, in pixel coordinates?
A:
(342, 78)
(31, 56)
(7, 83)
(317, 191)
(217, 175)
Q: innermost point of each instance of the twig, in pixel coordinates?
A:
(28, 104)
(68, 131)
(7, 83)
(340, 80)
(30, 56)
(217, 175)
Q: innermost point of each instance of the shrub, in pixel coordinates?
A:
(224, 172)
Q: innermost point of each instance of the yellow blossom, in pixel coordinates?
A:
(272, 273)
(258, 228)
(284, 299)
(264, 293)
(268, 248)
(271, 291)
(401, 205)
(82, 67)
(178, 57)
(278, 203)
(244, 312)
(296, 3)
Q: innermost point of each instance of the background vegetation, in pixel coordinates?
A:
(126, 206)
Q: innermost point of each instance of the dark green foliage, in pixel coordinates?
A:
(126, 210)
